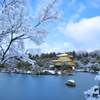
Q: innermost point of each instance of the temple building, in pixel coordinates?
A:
(64, 58)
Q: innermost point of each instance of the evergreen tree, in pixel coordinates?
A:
(86, 54)
(74, 54)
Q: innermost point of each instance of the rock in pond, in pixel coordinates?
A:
(71, 83)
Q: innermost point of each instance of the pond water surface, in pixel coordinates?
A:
(44, 87)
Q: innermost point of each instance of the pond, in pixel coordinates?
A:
(44, 87)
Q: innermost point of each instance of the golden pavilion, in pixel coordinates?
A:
(64, 58)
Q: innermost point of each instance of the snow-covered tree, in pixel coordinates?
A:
(16, 27)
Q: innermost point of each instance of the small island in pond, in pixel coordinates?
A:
(71, 83)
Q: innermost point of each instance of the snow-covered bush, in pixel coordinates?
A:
(94, 92)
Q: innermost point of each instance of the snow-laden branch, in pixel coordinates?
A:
(49, 14)
(97, 78)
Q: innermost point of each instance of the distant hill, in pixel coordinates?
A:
(96, 52)
(80, 52)
(92, 52)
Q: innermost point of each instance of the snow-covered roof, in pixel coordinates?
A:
(60, 60)
(62, 55)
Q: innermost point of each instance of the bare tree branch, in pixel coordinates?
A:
(11, 3)
(2, 49)
(45, 16)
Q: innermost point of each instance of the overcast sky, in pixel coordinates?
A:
(80, 30)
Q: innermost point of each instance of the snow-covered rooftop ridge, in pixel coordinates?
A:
(64, 54)
(60, 60)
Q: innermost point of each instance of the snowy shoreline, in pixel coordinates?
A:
(49, 72)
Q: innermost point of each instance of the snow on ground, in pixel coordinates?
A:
(52, 71)
(79, 70)
(59, 72)
(29, 72)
